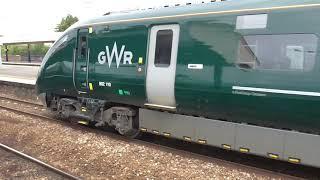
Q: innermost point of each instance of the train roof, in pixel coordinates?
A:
(183, 11)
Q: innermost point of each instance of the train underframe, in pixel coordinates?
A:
(278, 144)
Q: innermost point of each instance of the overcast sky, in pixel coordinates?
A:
(41, 16)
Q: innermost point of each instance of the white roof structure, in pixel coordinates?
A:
(29, 38)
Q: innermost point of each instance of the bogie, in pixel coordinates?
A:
(125, 120)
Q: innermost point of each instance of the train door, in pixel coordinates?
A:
(81, 64)
(162, 62)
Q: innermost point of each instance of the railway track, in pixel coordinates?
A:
(38, 162)
(2, 98)
(229, 158)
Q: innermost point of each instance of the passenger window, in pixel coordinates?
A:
(83, 47)
(290, 52)
(163, 48)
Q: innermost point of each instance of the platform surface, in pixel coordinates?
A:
(19, 74)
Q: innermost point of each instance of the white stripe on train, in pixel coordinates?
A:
(276, 91)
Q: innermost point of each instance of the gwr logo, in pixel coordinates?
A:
(125, 56)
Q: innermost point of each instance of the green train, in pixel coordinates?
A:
(240, 75)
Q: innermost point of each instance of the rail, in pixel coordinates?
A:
(41, 163)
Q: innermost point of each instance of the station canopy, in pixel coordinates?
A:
(29, 38)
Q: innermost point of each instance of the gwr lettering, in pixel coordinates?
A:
(125, 56)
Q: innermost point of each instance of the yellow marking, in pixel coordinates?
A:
(273, 156)
(90, 30)
(155, 131)
(140, 60)
(244, 150)
(166, 134)
(226, 146)
(201, 141)
(143, 129)
(83, 109)
(187, 138)
(294, 160)
(83, 122)
(206, 13)
(91, 86)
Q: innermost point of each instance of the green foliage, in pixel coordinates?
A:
(35, 49)
(17, 50)
(39, 49)
(2, 52)
(66, 22)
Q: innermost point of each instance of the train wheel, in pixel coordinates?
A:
(135, 131)
(124, 120)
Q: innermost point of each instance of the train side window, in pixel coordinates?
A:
(163, 48)
(288, 52)
(83, 47)
(62, 41)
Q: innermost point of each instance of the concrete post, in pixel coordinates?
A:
(29, 55)
(6, 49)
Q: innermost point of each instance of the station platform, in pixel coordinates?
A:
(19, 73)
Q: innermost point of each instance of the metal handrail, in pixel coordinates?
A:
(74, 72)
(87, 75)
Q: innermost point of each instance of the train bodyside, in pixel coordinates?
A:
(220, 66)
(267, 90)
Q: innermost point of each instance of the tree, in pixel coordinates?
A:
(38, 49)
(66, 22)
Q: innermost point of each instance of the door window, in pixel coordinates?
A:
(83, 47)
(163, 48)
